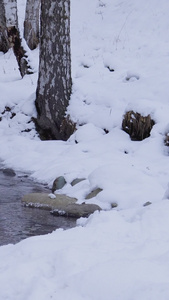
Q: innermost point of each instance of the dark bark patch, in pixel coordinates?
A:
(52, 132)
(4, 45)
(30, 35)
(44, 133)
(20, 53)
(67, 128)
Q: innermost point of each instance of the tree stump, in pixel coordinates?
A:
(137, 126)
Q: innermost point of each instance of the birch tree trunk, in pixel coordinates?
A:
(14, 36)
(31, 24)
(54, 83)
(4, 43)
(11, 13)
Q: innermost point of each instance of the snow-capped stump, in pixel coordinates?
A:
(137, 126)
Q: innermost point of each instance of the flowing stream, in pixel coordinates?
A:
(18, 222)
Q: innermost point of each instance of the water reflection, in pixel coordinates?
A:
(18, 222)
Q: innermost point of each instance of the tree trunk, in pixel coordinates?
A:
(14, 36)
(31, 24)
(4, 43)
(54, 83)
(20, 53)
(11, 13)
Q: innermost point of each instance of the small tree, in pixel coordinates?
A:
(54, 83)
(31, 23)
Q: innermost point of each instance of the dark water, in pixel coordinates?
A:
(18, 222)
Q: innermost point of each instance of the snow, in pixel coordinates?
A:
(120, 62)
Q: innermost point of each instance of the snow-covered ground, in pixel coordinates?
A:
(119, 254)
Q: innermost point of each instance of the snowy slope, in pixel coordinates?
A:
(120, 61)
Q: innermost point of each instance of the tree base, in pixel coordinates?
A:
(52, 132)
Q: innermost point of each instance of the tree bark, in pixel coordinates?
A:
(31, 24)
(4, 43)
(14, 40)
(11, 13)
(20, 53)
(54, 83)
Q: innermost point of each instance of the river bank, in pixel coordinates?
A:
(18, 222)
